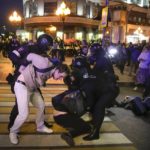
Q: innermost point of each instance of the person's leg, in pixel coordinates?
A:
(131, 68)
(13, 115)
(45, 123)
(22, 96)
(98, 115)
(74, 124)
(38, 102)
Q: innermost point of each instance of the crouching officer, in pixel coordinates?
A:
(26, 90)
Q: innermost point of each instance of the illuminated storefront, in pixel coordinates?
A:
(85, 19)
(40, 15)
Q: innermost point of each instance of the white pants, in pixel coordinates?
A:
(24, 96)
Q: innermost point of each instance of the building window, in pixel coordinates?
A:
(50, 7)
(130, 19)
(134, 19)
(143, 21)
(33, 8)
(88, 10)
(95, 11)
(73, 7)
(139, 19)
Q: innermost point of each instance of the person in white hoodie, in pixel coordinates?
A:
(26, 90)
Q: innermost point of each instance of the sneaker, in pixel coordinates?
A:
(44, 129)
(13, 138)
(135, 88)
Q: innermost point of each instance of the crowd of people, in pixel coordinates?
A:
(91, 72)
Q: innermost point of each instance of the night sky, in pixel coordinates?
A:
(6, 8)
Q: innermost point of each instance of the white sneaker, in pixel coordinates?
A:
(13, 138)
(135, 88)
(44, 129)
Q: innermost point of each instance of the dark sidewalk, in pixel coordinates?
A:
(136, 128)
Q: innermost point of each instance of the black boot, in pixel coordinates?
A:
(68, 138)
(93, 135)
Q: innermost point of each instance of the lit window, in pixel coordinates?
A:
(139, 19)
(39, 33)
(78, 35)
(50, 7)
(59, 34)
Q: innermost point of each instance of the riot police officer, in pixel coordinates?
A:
(103, 91)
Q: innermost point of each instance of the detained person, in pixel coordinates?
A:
(26, 90)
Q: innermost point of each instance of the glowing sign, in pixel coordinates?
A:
(104, 17)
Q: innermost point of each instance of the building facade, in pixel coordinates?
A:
(84, 22)
(80, 24)
(130, 21)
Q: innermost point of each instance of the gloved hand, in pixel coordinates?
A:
(55, 61)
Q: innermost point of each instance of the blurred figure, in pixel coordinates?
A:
(14, 44)
(121, 57)
(143, 69)
(134, 54)
(128, 51)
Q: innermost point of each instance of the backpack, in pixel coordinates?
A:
(138, 107)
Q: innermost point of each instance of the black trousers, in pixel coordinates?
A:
(73, 123)
(98, 100)
(13, 115)
(98, 111)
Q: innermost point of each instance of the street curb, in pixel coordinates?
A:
(49, 84)
(126, 83)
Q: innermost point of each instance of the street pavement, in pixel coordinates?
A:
(121, 129)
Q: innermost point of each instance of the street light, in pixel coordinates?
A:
(63, 11)
(15, 18)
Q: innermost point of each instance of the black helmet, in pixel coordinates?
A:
(96, 48)
(78, 62)
(23, 50)
(44, 41)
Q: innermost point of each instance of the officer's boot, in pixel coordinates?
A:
(93, 135)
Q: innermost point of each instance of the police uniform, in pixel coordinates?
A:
(102, 91)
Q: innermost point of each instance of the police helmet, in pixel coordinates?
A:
(44, 41)
(78, 62)
(95, 46)
(23, 50)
